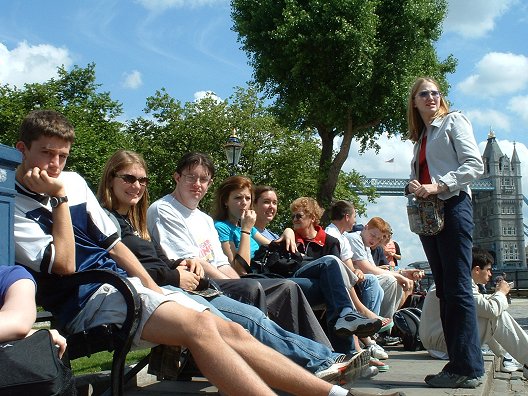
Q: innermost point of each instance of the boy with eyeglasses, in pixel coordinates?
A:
(182, 230)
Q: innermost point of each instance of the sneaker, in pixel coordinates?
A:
(377, 352)
(369, 372)
(449, 380)
(355, 324)
(510, 365)
(486, 351)
(388, 340)
(346, 369)
(525, 371)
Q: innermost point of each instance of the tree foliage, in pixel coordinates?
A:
(341, 67)
(75, 94)
(272, 154)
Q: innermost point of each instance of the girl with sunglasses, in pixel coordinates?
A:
(446, 160)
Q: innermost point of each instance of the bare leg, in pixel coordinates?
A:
(276, 370)
(173, 324)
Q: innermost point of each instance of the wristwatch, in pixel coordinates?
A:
(56, 201)
(443, 186)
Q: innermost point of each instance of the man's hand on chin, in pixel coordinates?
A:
(38, 180)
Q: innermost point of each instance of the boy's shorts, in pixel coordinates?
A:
(107, 305)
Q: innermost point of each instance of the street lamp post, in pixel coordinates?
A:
(233, 149)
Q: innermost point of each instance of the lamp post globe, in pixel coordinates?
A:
(233, 149)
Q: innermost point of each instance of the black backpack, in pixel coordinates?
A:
(31, 366)
(407, 323)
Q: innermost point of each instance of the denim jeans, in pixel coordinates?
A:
(371, 293)
(325, 285)
(322, 283)
(309, 354)
(449, 255)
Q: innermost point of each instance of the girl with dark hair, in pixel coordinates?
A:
(235, 221)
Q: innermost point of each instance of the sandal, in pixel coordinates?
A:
(386, 325)
(381, 366)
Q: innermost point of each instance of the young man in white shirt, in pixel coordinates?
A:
(182, 230)
(396, 285)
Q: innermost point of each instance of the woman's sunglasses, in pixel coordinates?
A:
(131, 179)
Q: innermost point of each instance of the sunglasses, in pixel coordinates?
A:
(297, 216)
(131, 179)
(425, 94)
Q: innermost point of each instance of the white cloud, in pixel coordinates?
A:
(199, 95)
(474, 18)
(31, 63)
(497, 74)
(487, 118)
(519, 106)
(163, 5)
(132, 80)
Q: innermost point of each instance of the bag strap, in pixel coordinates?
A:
(242, 262)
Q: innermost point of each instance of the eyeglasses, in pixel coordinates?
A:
(191, 179)
(131, 179)
(297, 216)
(425, 94)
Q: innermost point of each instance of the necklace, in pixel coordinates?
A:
(125, 218)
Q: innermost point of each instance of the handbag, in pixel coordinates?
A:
(31, 366)
(426, 215)
(275, 259)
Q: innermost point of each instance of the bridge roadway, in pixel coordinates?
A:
(407, 371)
(396, 187)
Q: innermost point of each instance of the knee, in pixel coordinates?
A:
(235, 331)
(331, 260)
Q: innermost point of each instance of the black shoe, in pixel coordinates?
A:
(449, 380)
(355, 324)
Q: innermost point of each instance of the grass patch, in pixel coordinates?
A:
(102, 361)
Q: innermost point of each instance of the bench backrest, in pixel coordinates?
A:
(10, 158)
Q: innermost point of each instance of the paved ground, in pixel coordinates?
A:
(407, 371)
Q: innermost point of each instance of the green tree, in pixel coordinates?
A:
(273, 154)
(341, 67)
(75, 94)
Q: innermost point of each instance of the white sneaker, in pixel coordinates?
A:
(486, 351)
(356, 324)
(510, 365)
(369, 372)
(378, 352)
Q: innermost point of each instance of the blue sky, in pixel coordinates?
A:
(187, 46)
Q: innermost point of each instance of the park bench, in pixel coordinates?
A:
(107, 337)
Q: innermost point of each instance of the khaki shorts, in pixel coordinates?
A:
(107, 305)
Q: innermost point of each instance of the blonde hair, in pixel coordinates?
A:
(414, 119)
(309, 206)
(138, 213)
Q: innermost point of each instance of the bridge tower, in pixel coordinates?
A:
(498, 213)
